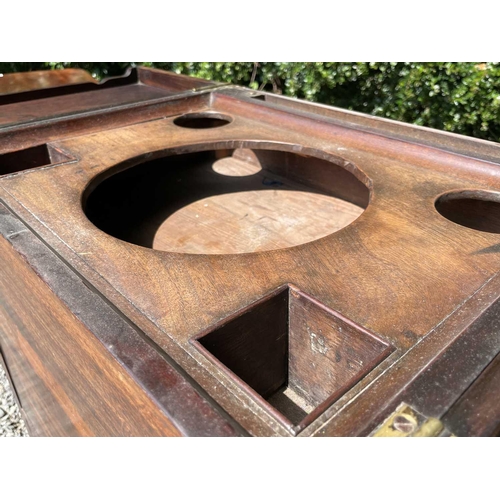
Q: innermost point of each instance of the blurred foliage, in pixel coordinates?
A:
(457, 97)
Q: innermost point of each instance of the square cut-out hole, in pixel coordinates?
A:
(37, 156)
(292, 354)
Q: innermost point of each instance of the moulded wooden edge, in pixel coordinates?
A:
(53, 129)
(181, 399)
(407, 132)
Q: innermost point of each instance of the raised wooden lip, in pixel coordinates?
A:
(294, 430)
(130, 76)
(451, 142)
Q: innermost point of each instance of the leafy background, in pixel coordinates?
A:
(457, 97)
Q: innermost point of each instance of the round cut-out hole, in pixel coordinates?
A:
(478, 210)
(263, 199)
(202, 120)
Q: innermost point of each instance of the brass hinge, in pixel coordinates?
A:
(407, 422)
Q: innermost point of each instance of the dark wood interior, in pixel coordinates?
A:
(202, 120)
(25, 159)
(478, 210)
(294, 353)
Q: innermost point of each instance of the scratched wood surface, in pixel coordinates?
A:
(144, 214)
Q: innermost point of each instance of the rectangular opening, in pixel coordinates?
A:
(293, 354)
(25, 159)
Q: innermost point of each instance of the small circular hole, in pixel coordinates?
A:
(478, 210)
(202, 120)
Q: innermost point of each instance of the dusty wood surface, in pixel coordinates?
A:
(477, 412)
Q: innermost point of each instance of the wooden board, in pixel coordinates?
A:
(13, 83)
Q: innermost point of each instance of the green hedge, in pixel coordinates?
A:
(458, 97)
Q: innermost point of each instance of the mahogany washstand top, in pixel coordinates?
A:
(251, 264)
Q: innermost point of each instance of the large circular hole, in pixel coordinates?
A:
(202, 120)
(181, 203)
(478, 210)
